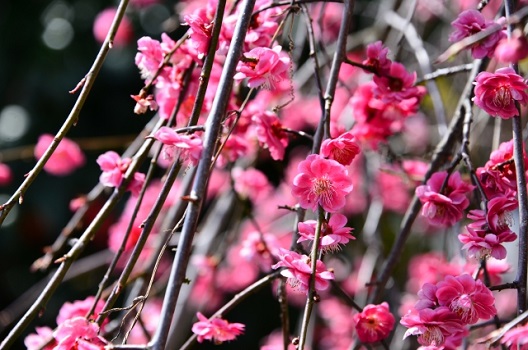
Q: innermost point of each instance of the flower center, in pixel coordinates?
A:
(433, 336)
(502, 97)
(321, 186)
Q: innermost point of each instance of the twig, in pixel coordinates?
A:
(442, 72)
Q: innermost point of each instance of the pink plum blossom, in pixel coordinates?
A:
(377, 58)
(342, 149)
(471, 300)
(216, 329)
(263, 66)
(37, 341)
(480, 243)
(514, 49)
(397, 85)
(333, 232)
(323, 182)
(374, 323)
(186, 147)
(471, 22)
(78, 333)
(433, 326)
(144, 103)
(251, 183)
(102, 25)
(79, 308)
(201, 27)
(261, 248)
(298, 270)
(444, 207)
(497, 93)
(66, 158)
(516, 338)
(114, 169)
(270, 133)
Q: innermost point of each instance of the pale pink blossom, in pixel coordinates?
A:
(149, 58)
(270, 133)
(471, 22)
(333, 233)
(186, 147)
(514, 49)
(260, 248)
(516, 338)
(323, 182)
(470, 299)
(216, 329)
(37, 341)
(102, 25)
(114, 169)
(342, 149)
(374, 323)
(144, 103)
(264, 67)
(497, 93)
(444, 207)
(78, 333)
(66, 159)
(298, 270)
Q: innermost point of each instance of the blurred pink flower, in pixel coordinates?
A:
(78, 333)
(333, 233)
(322, 182)
(496, 93)
(374, 323)
(514, 49)
(260, 248)
(43, 336)
(6, 175)
(79, 308)
(397, 85)
(102, 25)
(186, 147)
(298, 270)
(471, 300)
(217, 329)
(377, 58)
(342, 149)
(263, 66)
(66, 158)
(471, 22)
(444, 207)
(516, 338)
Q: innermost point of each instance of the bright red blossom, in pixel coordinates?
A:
(322, 182)
(496, 93)
(374, 323)
(216, 329)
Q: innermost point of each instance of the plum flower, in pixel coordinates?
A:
(514, 49)
(377, 58)
(397, 85)
(114, 169)
(78, 333)
(322, 182)
(471, 22)
(40, 339)
(298, 270)
(496, 93)
(471, 300)
(333, 233)
(444, 207)
(270, 133)
(216, 329)
(374, 323)
(342, 149)
(516, 338)
(187, 147)
(66, 158)
(263, 66)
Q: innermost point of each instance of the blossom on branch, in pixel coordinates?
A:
(298, 269)
(114, 169)
(186, 147)
(323, 182)
(263, 67)
(374, 323)
(497, 93)
(342, 149)
(333, 232)
(78, 333)
(216, 329)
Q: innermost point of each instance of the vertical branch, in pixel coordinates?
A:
(518, 156)
(213, 127)
(72, 118)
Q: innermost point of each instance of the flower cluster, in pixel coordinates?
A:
(444, 309)
(444, 198)
(381, 106)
